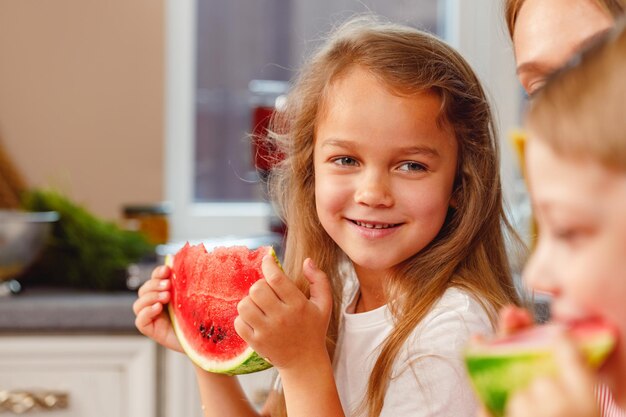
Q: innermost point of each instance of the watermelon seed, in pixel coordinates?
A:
(203, 331)
(210, 333)
(221, 334)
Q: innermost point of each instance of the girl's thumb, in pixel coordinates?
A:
(321, 294)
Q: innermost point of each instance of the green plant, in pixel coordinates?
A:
(84, 251)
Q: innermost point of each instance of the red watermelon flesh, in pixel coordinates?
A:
(206, 288)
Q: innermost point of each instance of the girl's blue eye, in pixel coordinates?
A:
(345, 160)
(412, 167)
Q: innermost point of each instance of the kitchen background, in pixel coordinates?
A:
(82, 98)
(139, 102)
(122, 103)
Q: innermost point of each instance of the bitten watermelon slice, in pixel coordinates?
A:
(206, 287)
(502, 366)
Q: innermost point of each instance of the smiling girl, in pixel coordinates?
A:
(395, 252)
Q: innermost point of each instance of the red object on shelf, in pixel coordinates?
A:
(265, 96)
(264, 154)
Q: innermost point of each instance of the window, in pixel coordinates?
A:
(224, 57)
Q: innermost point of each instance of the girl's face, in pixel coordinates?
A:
(580, 257)
(548, 32)
(384, 171)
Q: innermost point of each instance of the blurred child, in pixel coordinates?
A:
(391, 194)
(576, 168)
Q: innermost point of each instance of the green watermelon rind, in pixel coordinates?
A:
(495, 377)
(245, 363)
(497, 374)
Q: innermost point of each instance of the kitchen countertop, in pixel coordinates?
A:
(67, 311)
(71, 311)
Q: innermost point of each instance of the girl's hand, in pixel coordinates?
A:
(570, 394)
(151, 318)
(280, 323)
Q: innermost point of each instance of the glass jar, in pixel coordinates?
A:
(151, 220)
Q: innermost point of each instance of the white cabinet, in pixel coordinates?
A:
(100, 375)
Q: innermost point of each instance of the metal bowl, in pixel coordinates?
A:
(22, 237)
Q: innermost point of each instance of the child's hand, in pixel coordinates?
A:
(151, 318)
(513, 319)
(570, 394)
(280, 323)
(482, 412)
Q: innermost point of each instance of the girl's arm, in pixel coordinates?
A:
(221, 395)
(281, 324)
(310, 390)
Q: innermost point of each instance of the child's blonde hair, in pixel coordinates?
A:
(615, 8)
(580, 111)
(469, 251)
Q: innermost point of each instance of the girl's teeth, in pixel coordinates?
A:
(374, 226)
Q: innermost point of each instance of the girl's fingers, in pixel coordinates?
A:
(250, 313)
(575, 374)
(282, 286)
(321, 292)
(161, 272)
(264, 297)
(145, 317)
(512, 319)
(162, 297)
(154, 284)
(482, 412)
(551, 394)
(243, 329)
(517, 405)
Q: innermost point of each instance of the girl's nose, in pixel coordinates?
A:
(373, 190)
(539, 274)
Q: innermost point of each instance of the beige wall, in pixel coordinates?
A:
(82, 97)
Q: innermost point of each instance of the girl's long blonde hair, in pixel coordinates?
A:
(469, 251)
(615, 8)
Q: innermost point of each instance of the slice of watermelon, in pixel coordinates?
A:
(206, 287)
(504, 365)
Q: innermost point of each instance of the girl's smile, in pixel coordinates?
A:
(384, 170)
(375, 230)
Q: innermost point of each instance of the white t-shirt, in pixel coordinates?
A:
(429, 376)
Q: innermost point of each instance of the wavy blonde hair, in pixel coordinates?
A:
(512, 7)
(469, 251)
(580, 111)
